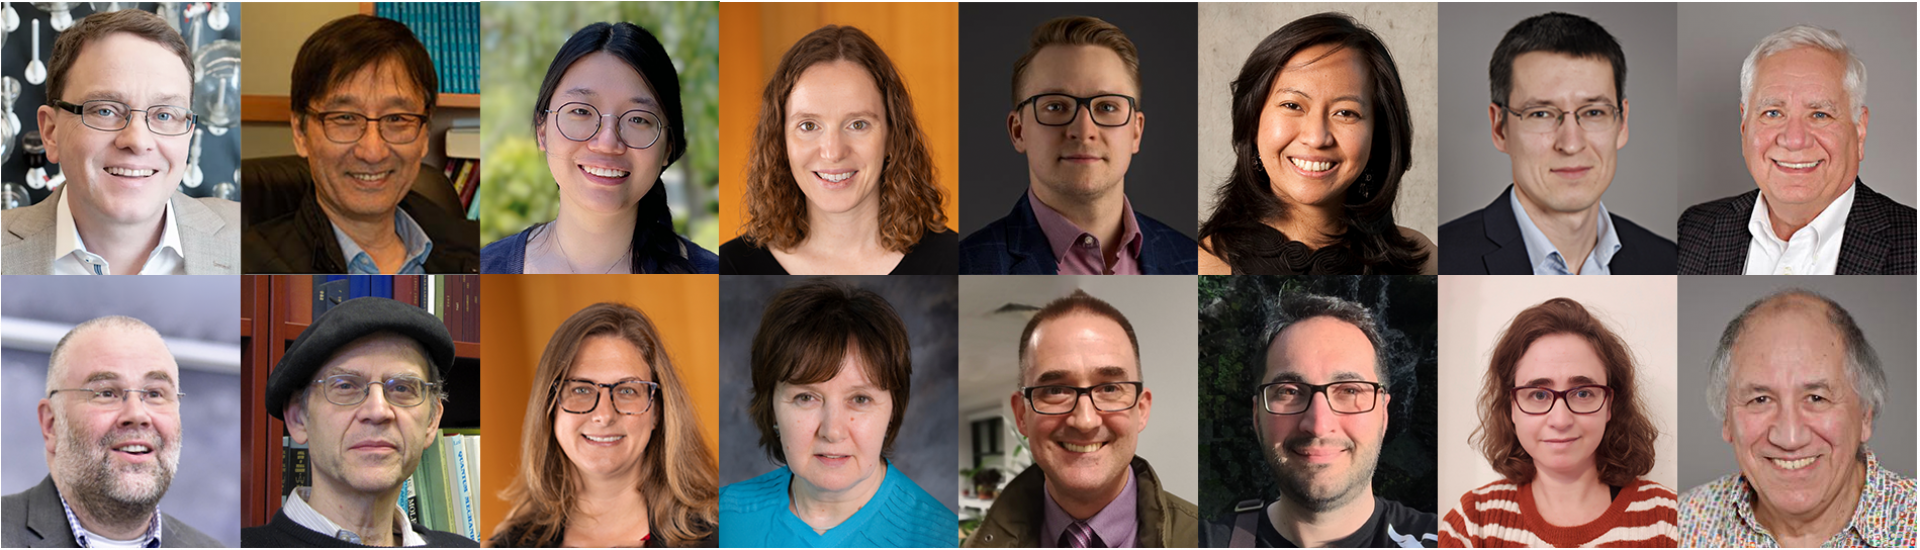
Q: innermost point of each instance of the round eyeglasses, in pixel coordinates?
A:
(629, 397)
(1108, 397)
(1587, 399)
(1059, 109)
(1349, 397)
(639, 129)
(1545, 119)
(108, 115)
(347, 390)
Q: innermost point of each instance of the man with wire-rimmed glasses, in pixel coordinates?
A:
(361, 387)
(1082, 404)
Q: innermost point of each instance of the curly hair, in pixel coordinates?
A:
(1626, 449)
(910, 197)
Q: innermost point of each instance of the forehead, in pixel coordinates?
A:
(1805, 67)
(1559, 358)
(380, 355)
(1550, 76)
(1078, 344)
(1080, 69)
(115, 352)
(127, 67)
(606, 358)
(838, 86)
(1321, 350)
(1788, 341)
(384, 83)
(605, 78)
(852, 372)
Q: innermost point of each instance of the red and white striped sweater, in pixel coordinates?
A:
(1503, 515)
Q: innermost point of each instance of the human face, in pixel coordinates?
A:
(1085, 452)
(1322, 459)
(1797, 131)
(366, 179)
(117, 457)
(602, 174)
(605, 443)
(1560, 441)
(1566, 170)
(1793, 417)
(370, 448)
(122, 177)
(832, 432)
(837, 137)
(1081, 160)
(1316, 130)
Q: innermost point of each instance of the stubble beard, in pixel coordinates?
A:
(1297, 479)
(116, 496)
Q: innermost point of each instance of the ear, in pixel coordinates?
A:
(299, 135)
(1499, 133)
(540, 136)
(46, 415)
(1019, 414)
(1386, 416)
(1743, 118)
(1726, 427)
(1016, 131)
(296, 415)
(1139, 128)
(1866, 426)
(1146, 407)
(48, 135)
(1861, 128)
(1626, 108)
(433, 428)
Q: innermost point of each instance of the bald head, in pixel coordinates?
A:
(1808, 320)
(113, 337)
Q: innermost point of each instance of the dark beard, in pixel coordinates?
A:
(1296, 482)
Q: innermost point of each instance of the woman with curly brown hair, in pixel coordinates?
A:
(840, 180)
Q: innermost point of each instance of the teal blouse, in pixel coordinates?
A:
(754, 514)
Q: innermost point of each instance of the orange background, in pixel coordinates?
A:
(922, 39)
(522, 313)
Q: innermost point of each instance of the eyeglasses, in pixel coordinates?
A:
(108, 115)
(1059, 109)
(1580, 399)
(1349, 397)
(629, 397)
(1108, 397)
(1546, 119)
(347, 390)
(349, 127)
(109, 397)
(639, 129)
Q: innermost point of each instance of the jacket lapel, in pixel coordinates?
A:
(1027, 249)
(197, 226)
(1509, 254)
(1728, 255)
(45, 518)
(1863, 250)
(30, 236)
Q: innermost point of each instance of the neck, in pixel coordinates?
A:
(1316, 225)
(101, 515)
(376, 232)
(1813, 528)
(1097, 214)
(1574, 234)
(854, 233)
(1311, 528)
(1570, 498)
(1084, 506)
(823, 509)
(610, 508)
(1789, 218)
(594, 241)
(125, 246)
(369, 515)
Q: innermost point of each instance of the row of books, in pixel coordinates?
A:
(451, 33)
(439, 495)
(456, 301)
(465, 175)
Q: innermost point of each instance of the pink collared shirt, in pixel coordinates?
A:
(1077, 252)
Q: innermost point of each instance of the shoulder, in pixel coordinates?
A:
(768, 490)
(443, 539)
(917, 519)
(228, 211)
(741, 257)
(1634, 234)
(177, 533)
(1407, 520)
(704, 261)
(1153, 227)
(273, 246)
(1712, 500)
(1209, 263)
(1706, 212)
(1432, 265)
(937, 253)
(505, 256)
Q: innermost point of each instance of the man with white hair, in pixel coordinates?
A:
(111, 421)
(1797, 387)
(1803, 130)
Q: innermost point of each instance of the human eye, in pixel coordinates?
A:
(1289, 390)
(805, 399)
(628, 390)
(579, 389)
(808, 126)
(579, 111)
(1291, 106)
(639, 120)
(860, 125)
(1052, 392)
(1348, 389)
(1536, 394)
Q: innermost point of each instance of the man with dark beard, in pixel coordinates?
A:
(1320, 411)
(111, 421)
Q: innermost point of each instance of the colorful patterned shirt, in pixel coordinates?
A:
(1720, 514)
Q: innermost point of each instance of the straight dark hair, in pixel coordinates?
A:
(655, 247)
(1554, 32)
(344, 46)
(1245, 203)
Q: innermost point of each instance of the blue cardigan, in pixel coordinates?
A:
(754, 513)
(1015, 245)
(509, 255)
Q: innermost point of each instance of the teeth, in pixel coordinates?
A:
(1081, 448)
(1799, 165)
(605, 439)
(604, 172)
(130, 173)
(135, 448)
(369, 177)
(836, 178)
(1793, 464)
(1311, 166)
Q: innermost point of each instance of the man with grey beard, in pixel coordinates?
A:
(111, 422)
(1320, 411)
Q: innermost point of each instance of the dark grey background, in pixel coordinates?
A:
(926, 447)
(1718, 39)
(1473, 172)
(1882, 305)
(993, 36)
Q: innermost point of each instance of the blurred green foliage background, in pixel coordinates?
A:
(519, 40)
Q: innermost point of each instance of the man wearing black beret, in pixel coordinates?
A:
(362, 443)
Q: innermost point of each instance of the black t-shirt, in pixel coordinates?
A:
(1391, 526)
(935, 254)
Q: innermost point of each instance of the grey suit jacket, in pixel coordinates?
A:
(209, 233)
(33, 519)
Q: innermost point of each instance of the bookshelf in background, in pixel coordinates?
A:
(463, 164)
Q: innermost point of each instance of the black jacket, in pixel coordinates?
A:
(302, 241)
(1879, 237)
(1488, 242)
(33, 519)
(283, 532)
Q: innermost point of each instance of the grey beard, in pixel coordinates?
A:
(86, 468)
(1297, 486)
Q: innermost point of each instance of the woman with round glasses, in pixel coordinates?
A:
(831, 371)
(1561, 419)
(608, 118)
(611, 453)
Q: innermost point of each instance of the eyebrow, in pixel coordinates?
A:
(153, 375)
(1349, 97)
(1294, 377)
(110, 95)
(1546, 382)
(350, 100)
(1063, 91)
(1107, 372)
(1588, 101)
(855, 114)
(593, 381)
(588, 93)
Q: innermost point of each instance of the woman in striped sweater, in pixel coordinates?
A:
(1561, 418)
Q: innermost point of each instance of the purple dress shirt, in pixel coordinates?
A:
(1115, 524)
(1078, 252)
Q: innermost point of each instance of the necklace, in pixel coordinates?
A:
(569, 258)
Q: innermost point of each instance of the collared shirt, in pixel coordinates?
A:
(416, 239)
(71, 257)
(297, 510)
(1114, 524)
(1720, 514)
(1546, 258)
(1813, 250)
(1078, 252)
(86, 539)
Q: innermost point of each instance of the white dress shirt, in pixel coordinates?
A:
(300, 512)
(1813, 250)
(71, 257)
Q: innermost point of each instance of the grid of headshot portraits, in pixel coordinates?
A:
(764, 275)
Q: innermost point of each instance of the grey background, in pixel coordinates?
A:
(993, 36)
(1882, 305)
(923, 450)
(1229, 31)
(1718, 38)
(1647, 168)
(206, 489)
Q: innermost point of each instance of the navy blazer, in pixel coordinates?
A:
(1488, 242)
(1879, 236)
(1015, 245)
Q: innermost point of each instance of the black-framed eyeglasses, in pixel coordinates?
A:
(109, 397)
(639, 128)
(108, 115)
(1345, 397)
(630, 397)
(1059, 109)
(349, 126)
(1545, 119)
(347, 390)
(1586, 399)
(1106, 397)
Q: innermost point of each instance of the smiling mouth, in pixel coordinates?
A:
(1078, 448)
(1793, 464)
(135, 449)
(835, 178)
(130, 173)
(1312, 165)
(370, 176)
(1798, 165)
(608, 439)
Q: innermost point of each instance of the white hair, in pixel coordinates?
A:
(1809, 36)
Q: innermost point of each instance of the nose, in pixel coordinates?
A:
(833, 419)
(1316, 132)
(833, 146)
(134, 410)
(1084, 416)
(136, 136)
(1789, 429)
(607, 140)
(603, 414)
(1081, 126)
(1561, 417)
(372, 147)
(1319, 418)
(1794, 135)
(376, 409)
(1569, 137)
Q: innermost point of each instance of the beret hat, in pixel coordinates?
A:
(345, 323)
